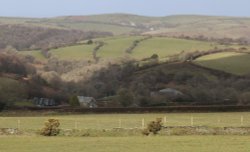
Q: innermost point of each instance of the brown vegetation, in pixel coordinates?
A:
(23, 37)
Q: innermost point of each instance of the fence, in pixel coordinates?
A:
(128, 121)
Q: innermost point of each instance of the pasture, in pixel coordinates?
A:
(116, 46)
(235, 63)
(170, 46)
(77, 52)
(120, 142)
(123, 144)
(110, 121)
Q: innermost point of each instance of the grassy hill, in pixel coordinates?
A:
(170, 46)
(193, 25)
(236, 63)
(210, 26)
(78, 52)
(115, 47)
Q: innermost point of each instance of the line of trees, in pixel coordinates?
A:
(135, 43)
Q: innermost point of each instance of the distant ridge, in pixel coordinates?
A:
(120, 23)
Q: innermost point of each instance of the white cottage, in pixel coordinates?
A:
(87, 102)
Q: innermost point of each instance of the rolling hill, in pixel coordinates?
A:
(191, 25)
(100, 55)
(115, 47)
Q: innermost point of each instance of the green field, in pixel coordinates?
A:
(115, 47)
(170, 46)
(134, 143)
(78, 52)
(110, 121)
(236, 63)
(36, 54)
(123, 144)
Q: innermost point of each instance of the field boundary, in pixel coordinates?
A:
(177, 109)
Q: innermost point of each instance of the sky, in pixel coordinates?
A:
(53, 8)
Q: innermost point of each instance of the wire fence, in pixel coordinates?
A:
(130, 121)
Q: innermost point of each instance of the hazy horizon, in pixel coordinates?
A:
(157, 8)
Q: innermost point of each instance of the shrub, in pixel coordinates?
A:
(74, 101)
(154, 56)
(153, 127)
(51, 128)
(125, 97)
(145, 132)
(89, 42)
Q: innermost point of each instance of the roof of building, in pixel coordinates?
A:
(171, 91)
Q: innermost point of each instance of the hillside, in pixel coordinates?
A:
(208, 26)
(79, 55)
(200, 86)
(119, 46)
(190, 25)
(23, 37)
(80, 61)
(236, 63)
(20, 82)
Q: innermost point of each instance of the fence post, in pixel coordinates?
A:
(192, 121)
(143, 123)
(165, 121)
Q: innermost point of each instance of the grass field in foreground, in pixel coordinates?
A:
(236, 63)
(124, 144)
(109, 121)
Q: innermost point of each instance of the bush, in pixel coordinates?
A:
(89, 42)
(154, 56)
(51, 128)
(145, 132)
(74, 102)
(125, 97)
(153, 127)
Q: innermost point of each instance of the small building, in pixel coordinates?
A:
(44, 102)
(87, 102)
(168, 92)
